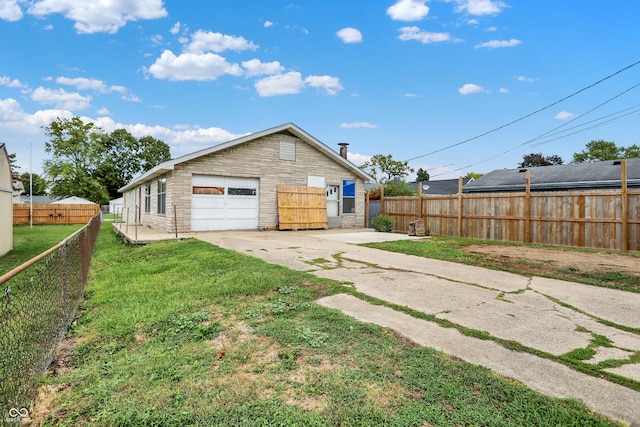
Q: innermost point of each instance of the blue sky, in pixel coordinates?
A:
(407, 78)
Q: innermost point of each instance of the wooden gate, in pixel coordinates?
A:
(302, 208)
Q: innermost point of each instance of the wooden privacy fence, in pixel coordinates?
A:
(601, 219)
(54, 214)
(301, 208)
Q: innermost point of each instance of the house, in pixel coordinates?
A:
(73, 200)
(37, 200)
(441, 187)
(115, 205)
(6, 202)
(575, 176)
(233, 185)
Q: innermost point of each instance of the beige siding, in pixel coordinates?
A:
(256, 159)
(6, 204)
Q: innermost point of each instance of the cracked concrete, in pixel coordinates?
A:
(548, 315)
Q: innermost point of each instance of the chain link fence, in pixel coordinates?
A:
(38, 301)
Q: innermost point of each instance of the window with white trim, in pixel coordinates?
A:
(147, 197)
(348, 196)
(162, 196)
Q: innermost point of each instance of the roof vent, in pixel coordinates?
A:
(617, 163)
(522, 170)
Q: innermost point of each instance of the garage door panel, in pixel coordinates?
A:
(234, 203)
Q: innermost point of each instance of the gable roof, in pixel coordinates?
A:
(575, 176)
(294, 130)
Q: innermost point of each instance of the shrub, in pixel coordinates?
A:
(383, 223)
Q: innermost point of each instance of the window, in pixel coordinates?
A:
(241, 191)
(162, 196)
(348, 196)
(216, 191)
(147, 197)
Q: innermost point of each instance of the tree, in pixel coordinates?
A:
(391, 168)
(473, 175)
(126, 157)
(600, 150)
(77, 151)
(39, 184)
(537, 159)
(423, 175)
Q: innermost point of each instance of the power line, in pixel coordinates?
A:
(528, 115)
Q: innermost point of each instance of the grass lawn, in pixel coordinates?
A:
(454, 249)
(185, 333)
(29, 242)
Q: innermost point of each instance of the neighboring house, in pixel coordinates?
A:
(115, 205)
(6, 203)
(441, 187)
(37, 200)
(234, 185)
(575, 176)
(73, 200)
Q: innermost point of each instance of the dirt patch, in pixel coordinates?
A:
(551, 260)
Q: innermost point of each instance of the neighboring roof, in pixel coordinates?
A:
(165, 167)
(73, 200)
(575, 176)
(119, 200)
(37, 200)
(442, 186)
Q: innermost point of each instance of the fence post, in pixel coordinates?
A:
(382, 199)
(366, 209)
(527, 209)
(625, 207)
(420, 184)
(175, 220)
(460, 182)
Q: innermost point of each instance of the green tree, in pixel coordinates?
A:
(126, 157)
(474, 175)
(537, 159)
(631, 152)
(76, 152)
(423, 175)
(601, 150)
(391, 169)
(39, 184)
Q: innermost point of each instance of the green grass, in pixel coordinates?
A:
(29, 242)
(186, 333)
(453, 249)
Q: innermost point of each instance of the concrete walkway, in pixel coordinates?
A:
(544, 314)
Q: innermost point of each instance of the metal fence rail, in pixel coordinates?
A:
(38, 301)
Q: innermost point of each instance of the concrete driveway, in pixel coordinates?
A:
(543, 314)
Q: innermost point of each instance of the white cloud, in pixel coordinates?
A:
(290, 83)
(470, 88)
(205, 41)
(357, 158)
(6, 81)
(481, 7)
(100, 16)
(268, 24)
(414, 33)
(498, 44)
(10, 10)
(526, 79)
(350, 35)
(330, 84)
(408, 10)
(255, 67)
(104, 111)
(83, 83)
(61, 98)
(190, 66)
(175, 29)
(564, 115)
(156, 40)
(503, 90)
(356, 125)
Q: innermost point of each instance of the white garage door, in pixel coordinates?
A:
(224, 203)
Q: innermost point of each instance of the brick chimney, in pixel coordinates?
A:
(343, 149)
